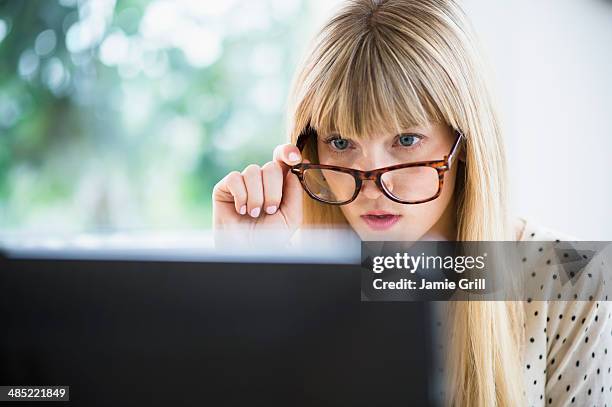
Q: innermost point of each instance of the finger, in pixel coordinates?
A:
(272, 177)
(254, 187)
(287, 154)
(291, 204)
(232, 188)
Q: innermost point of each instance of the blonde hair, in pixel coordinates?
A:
(379, 66)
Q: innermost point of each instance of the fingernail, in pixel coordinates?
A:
(271, 209)
(293, 157)
(243, 209)
(255, 212)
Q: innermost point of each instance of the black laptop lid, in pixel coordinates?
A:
(201, 333)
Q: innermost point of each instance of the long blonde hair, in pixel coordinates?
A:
(380, 65)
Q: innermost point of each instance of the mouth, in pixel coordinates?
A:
(380, 220)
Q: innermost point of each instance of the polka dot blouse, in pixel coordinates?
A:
(568, 344)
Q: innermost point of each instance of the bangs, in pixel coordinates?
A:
(369, 90)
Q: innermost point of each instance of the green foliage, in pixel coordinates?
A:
(125, 115)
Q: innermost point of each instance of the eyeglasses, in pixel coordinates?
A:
(409, 183)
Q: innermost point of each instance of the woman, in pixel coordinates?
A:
(395, 82)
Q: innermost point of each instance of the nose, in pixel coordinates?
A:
(374, 159)
(370, 190)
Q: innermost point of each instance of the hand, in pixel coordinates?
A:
(259, 198)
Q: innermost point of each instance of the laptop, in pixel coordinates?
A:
(134, 328)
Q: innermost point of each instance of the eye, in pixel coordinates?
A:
(339, 144)
(408, 140)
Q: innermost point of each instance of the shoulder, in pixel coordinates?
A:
(569, 326)
(558, 266)
(529, 230)
(561, 266)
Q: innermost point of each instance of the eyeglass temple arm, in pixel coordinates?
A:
(455, 148)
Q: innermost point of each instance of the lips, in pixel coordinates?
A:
(380, 220)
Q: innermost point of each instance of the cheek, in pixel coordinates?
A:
(430, 212)
(341, 184)
(448, 189)
(351, 211)
(423, 216)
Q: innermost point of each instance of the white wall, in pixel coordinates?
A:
(552, 66)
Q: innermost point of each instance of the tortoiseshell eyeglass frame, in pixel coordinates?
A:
(441, 166)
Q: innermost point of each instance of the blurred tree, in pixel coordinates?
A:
(118, 115)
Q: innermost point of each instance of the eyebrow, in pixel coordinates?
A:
(337, 133)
